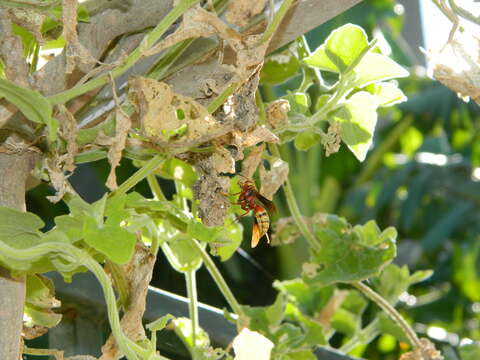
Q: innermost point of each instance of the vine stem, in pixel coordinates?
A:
(131, 59)
(389, 309)
(294, 209)
(275, 23)
(219, 280)
(192, 307)
(138, 176)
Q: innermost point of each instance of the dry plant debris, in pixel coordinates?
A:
(457, 65)
(172, 121)
(274, 178)
(426, 351)
(77, 54)
(138, 273)
(239, 12)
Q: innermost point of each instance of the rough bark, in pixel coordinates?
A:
(14, 170)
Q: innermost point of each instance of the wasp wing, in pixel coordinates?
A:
(255, 235)
(268, 204)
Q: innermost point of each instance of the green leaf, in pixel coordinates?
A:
(199, 231)
(341, 49)
(387, 94)
(31, 103)
(348, 254)
(176, 169)
(263, 318)
(306, 140)
(116, 243)
(182, 254)
(299, 103)
(71, 226)
(395, 280)
(40, 292)
(227, 241)
(19, 230)
(358, 117)
(310, 299)
(160, 323)
(279, 68)
(469, 351)
(375, 67)
(39, 316)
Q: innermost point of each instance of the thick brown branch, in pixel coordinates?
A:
(14, 170)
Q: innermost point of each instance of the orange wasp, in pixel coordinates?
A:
(250, 199)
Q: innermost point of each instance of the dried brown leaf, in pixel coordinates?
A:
(285, 231)
(116, 145)
(197, 22)
(277, 113)
(76, 53)
(171, 120)
(251, 162)
(257, 135)
(138, 274)
(69, 134)
(274, 178)
(33, 332)
(241, 11)
(426, 351)
(332, 139)
(58, 179)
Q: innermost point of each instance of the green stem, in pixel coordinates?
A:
(138, 176)
(219, 280)
(390, 310)
(155, 187)
(294, 210)
(131, 59)
(277, 20)
(192, 307)
(220, 99)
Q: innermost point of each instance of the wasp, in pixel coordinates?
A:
(251, 200)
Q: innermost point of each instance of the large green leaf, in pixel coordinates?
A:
(110, 239)
(31, 103)
(376, 67)
(279, 68)
(358, 117)
(19, 230)
(348, 254)
(182, 254)
(341, 49)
